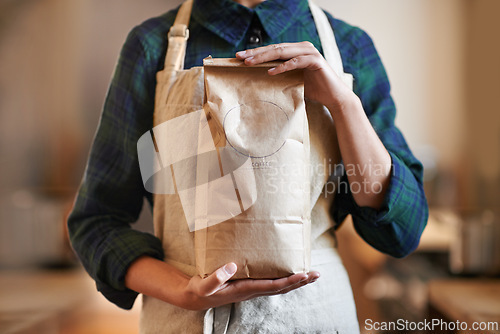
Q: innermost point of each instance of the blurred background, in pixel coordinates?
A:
(442, 58)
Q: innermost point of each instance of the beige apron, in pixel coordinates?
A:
(323, 307)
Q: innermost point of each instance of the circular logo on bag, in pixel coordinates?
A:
(257, 129)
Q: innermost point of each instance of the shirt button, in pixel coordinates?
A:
(254, 39)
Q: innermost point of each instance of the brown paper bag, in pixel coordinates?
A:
(259, 117)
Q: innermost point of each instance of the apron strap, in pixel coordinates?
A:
(328, 43)
(177, 39)
(327, 38)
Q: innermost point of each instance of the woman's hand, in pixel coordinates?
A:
(215, 290)
(321, 83)
(160, 280)
(359, 144)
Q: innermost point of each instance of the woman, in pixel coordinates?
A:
(389, 211)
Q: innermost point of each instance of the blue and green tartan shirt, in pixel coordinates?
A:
(111, 194)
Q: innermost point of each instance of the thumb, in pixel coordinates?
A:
(216, 280)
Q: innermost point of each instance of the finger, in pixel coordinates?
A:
(310, 62)
(283, 51)
(281, 48)
(217, 280)
(312, 277)
(286, 290)
(249, 53)
(250, 288)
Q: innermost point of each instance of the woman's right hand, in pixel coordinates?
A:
(160, 280)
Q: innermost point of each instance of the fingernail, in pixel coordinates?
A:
(230, 268)
(303, 279)
(241, 53)
(272, 69)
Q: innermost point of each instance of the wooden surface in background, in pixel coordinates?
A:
(59, 302)
(467, 300)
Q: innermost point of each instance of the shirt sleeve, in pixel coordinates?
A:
(396, 228)
(111, 195)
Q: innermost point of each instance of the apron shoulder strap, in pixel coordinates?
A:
(177, 38)
(328, 43)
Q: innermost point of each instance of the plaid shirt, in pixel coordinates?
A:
(112, 192)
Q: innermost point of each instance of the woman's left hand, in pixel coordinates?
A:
(359, 143)
(321, 83)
